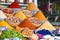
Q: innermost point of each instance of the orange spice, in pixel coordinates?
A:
(18, 28)
(40, 15)
(32, 6)
(27, 24)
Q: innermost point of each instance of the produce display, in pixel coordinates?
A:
(27, 24)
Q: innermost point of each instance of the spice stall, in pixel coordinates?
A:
(29, 23)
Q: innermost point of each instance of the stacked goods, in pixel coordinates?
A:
(40, 15)
(4, 23)
(20, 15)
(31, 6)
(18, 29)
(35, 21)
(14, 5)
(26, 32)
(13, 21)
(28, 13)
(46, 25)
(8, 11)
(24, 24)
(27, 24)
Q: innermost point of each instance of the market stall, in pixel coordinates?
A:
(26, 24)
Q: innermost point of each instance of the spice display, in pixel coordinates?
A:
(4, 23)
(30, 23)
(47, 26)
(13, 21)
(27, 24)
(28, 13)
(35, 21)
(20, 15)
(44, 32)
(18, 29)
(8, 11)
(26, 32)
(14, 5)
(40, 15)
(31, 6)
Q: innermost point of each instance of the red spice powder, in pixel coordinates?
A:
(27, 24)
(14, 5)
